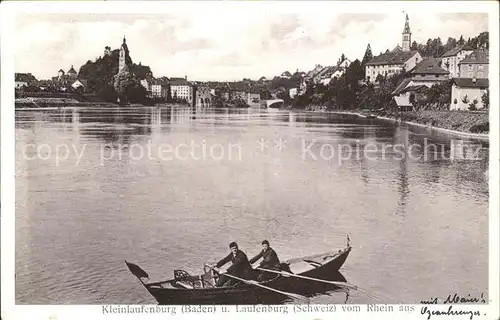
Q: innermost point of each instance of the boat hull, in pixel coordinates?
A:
(248, 294)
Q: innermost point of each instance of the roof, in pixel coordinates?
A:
(456, 50)
(286, 74)
(24, 77)
(83, 82)
(179, 82)
(72, 70)
(469, 83)
(414, 88)
(314, 71)
(331, 70)
(124, 44)
(238, 86)
(478, 56)
(428, 66)
(321, 72)
(401, 86)
(61, 70)
(394, 57)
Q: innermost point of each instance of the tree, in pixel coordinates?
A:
(368, 56)
(284, 95)
(135, 92)
(465, 99)
(436, 97)
(380, 79)
(414, 45)
(461, 41)
(473, 105)
(429, 48)
(439, 48)
(485, 98)
(264, 94)
(450, 43)
(412, 98)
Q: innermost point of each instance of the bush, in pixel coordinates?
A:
(480, 128)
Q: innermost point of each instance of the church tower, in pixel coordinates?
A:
(124, 54)
(406, 44)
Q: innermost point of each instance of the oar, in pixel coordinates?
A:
(337, 283)
(255, 283)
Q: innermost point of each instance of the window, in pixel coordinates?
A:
(480, 67)
(471, 67)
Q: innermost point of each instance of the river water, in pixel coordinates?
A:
(86, 200)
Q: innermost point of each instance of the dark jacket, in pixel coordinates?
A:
(269, 259)
(240, 266)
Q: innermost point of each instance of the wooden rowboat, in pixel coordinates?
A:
(187, 289)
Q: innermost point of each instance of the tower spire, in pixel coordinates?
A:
(125, 41)
(407, 25)
(406, 43)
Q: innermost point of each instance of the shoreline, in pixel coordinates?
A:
(55, 106)
(477, 136)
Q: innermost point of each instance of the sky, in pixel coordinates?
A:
(223, 42)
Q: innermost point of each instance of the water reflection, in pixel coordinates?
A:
(128, 208)
(402, 177)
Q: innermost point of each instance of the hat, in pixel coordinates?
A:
(265, 242)
(233, 245)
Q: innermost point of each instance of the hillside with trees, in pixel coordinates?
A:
(436, 48)
(100, 77)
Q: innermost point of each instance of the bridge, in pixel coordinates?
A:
(273, 104)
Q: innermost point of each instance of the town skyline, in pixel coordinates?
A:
(252, 47)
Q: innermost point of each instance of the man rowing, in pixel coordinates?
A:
(240, 267)
(269, 261)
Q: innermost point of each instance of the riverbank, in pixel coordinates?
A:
(55, 103)
(465, 124)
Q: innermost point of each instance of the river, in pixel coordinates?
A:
(168, 188)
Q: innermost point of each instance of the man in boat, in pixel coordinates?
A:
(270, 261)
(240, 267)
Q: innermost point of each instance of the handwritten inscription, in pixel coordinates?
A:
(449, 312)
(456, 299)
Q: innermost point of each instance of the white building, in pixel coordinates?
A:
(395, 61)
(389, 64)
(181, 89)
(253, 97)
(451, 59)
(466, 91)
(159, 89)
(334, 72)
